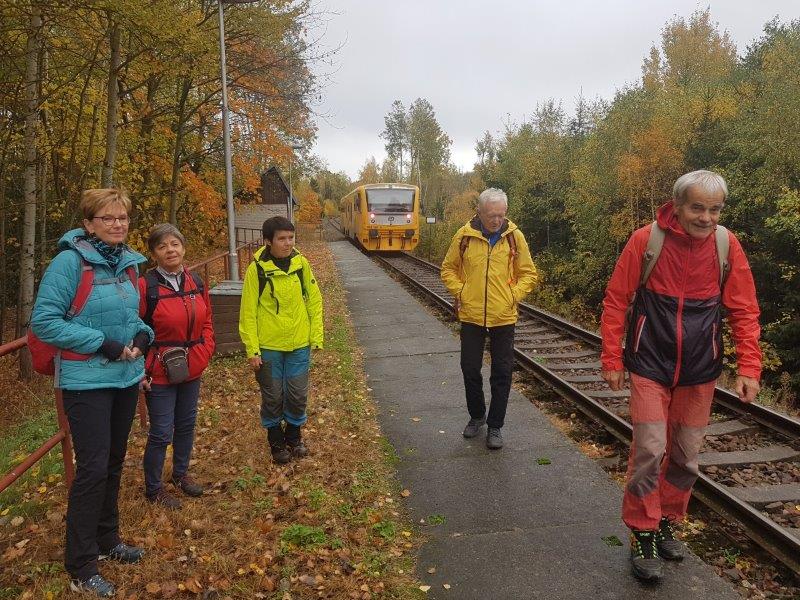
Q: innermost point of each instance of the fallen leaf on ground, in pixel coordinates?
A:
(153, 588)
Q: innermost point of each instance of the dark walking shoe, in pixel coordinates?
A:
(668, 546)
(645, 563)
(281, 455)
(123, 553)
(277, 445)
(188, 486)
(298, 450)
(473, 428)
(165, 499)
(294, 441)
(96, 584)
(494, 439)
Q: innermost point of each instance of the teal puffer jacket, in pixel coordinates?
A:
(111, 312)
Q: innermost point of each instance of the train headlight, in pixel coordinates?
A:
(371, 217)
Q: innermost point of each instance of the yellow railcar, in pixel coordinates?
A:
(382, 217)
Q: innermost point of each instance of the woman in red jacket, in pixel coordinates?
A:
(175, 303)
(674, 352)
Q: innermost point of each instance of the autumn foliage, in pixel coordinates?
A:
(128, 94)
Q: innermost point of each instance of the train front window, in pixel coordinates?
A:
(390, 200)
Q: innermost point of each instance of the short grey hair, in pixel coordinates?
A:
(492, 195)
(707, 181)
(160, 231)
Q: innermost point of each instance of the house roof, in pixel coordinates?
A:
(274, 169)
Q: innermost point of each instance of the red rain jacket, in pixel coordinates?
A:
(171, 322)
(675, 335)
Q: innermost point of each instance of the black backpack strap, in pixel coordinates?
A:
(151, 296)
(199, 284)
(262, 278)
(300, 274)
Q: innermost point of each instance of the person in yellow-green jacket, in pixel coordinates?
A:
(280, 321)
(488, 270)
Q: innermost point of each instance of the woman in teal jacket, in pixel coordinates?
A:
(99, 372)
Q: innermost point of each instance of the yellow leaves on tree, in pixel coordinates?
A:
(653, 162)
(369, 173)
(461, 208)
(691, 53)
(310, 210)
(203, 196)
(329, 208)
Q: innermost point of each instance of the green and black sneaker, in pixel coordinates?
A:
(645, 563)
(669, 547)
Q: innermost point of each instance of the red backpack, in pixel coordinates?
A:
(43, 355)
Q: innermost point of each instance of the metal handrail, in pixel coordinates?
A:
(62, 435)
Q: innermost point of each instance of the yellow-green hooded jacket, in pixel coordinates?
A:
(488, 282)
(288, 314)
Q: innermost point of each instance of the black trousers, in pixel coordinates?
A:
(501, 348)
(100, 422)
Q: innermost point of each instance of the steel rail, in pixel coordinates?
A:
(774, 538)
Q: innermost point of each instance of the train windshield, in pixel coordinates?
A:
(387, 200)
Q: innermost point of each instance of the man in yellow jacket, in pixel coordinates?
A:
(280, 321)
(488, 270)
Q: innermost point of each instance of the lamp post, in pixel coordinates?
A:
(233, 258)
(290, 208)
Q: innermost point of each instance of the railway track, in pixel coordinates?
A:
(749, 462)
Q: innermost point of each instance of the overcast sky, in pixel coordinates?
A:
(481, 62)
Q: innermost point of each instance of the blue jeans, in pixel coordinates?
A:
(173, 411)
(283, 381)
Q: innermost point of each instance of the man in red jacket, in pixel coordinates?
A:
(673, 351)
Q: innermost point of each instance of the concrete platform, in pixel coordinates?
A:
(509, 527)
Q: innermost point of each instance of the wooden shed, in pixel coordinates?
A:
(274, 202)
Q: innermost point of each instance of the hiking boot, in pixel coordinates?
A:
(96, 584)
(294, 441)
(277, 445)
(188, 486)
(123, 553)
(165, 499)
(297, 450)
(645, 563)
(281, 455)
(669, 547)
(494, 439)
(473, 427)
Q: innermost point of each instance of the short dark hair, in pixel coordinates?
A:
(162, 230)
(273, 225)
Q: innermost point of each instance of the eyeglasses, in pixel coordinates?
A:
(108, 220)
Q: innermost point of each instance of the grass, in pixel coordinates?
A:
(436, 520)
(28, 495)
(304, 535)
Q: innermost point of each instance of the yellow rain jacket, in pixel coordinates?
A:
(288, 313)
(488, 282)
